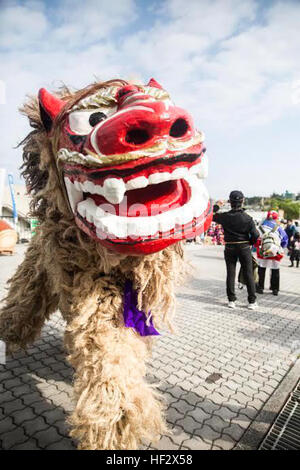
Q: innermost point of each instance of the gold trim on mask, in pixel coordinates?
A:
(107, 97)
(103, 97)
(156, 93)
(92, 159)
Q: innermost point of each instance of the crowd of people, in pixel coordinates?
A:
(253, 245)
(215, 234)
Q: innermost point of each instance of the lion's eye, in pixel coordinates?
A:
(82, 122)
(96, 117)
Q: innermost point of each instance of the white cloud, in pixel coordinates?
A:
(82, 23)
(176, 49)
(248, 80)
(228, 62)
(213, 19)
(68, 24)
(21, 25)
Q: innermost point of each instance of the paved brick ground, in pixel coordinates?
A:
(215, 374)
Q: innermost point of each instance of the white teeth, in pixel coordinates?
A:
(153, 226)
(88, 209)
(136, 183)
(157, 178)
(81, 208)
(89, 186)
(75, 195)
(195, 169)
(166, 223)
(114, 190)
(203, 167)
(122, 227)
(187, 215)
(77, 185)
(180, 173)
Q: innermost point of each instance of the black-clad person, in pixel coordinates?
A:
(239, 234)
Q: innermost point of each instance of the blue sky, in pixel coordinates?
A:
(234, 64)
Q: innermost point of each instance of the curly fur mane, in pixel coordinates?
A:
(64, 268)
(77, 254)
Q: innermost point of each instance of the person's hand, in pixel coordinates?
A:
(220, 203)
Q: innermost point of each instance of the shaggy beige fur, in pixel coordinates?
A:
(65, 269)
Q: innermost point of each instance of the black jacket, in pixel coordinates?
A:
(238, 226)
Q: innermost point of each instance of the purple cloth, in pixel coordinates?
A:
(134, 318)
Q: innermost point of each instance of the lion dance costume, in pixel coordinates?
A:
(115, 172)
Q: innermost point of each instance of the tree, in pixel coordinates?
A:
(291, 209)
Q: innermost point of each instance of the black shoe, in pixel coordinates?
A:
(291, 265)
(275, 292)
(259, 290)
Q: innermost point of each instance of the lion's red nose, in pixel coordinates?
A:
(139, 124)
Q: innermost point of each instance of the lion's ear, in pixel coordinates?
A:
(154, 84)
(50, 106)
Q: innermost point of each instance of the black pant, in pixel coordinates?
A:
(295, 256)
(274, 278)
(232, 254)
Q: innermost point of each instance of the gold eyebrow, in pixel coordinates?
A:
(107, 97)
(103, 97)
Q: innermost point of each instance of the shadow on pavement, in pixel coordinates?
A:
(36, 397)
(198, 418)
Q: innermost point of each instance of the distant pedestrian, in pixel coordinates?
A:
(220, 235)
(297, 228)
(295, 250)
(270, 251)
(290, 230)
(239, 234)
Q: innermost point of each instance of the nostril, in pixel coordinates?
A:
(179, 128)
(137, 136)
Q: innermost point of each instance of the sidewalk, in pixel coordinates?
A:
(216, 374)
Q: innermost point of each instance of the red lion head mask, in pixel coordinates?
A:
(133, 166)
